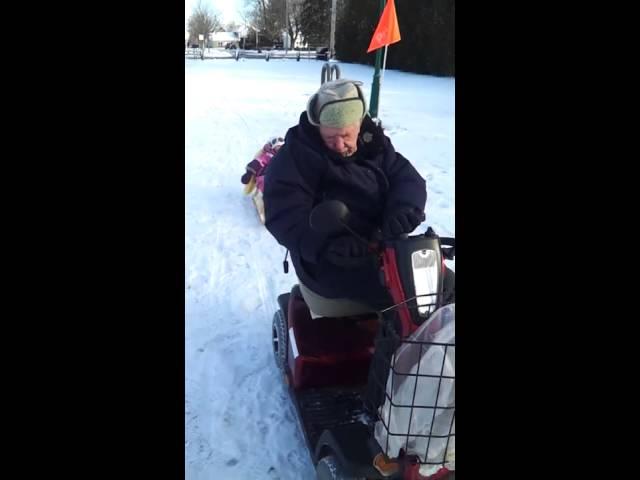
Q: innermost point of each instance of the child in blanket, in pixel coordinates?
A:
(253, 178)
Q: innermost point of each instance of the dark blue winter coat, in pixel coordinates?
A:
(374, 182)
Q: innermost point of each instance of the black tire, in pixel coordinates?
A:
(280, 339)
(329, 469)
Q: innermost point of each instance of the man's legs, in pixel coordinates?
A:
(320, 306)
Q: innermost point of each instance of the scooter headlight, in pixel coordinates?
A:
(425, 268)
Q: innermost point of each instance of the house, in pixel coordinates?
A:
(221, 39)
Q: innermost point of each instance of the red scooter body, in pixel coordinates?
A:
(328, 359)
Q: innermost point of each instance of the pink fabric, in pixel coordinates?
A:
(264, 157)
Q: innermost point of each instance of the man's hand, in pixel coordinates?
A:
(402, 221)
(347, 251)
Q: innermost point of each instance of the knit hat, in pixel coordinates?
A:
(337, 104)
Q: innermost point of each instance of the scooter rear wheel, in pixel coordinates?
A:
(279, 339)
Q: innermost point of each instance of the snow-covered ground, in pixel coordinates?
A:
(239, 421)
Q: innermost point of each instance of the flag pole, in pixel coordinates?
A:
(375, 86)
(384, 65)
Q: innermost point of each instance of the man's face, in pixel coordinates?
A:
(343, 141)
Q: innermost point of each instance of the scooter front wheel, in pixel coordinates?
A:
(329, 469)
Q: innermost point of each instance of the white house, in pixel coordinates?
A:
(220, 39)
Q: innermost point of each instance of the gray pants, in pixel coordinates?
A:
(320, 306)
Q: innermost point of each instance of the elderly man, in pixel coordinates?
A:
(336, 152)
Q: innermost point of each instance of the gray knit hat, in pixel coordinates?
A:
(337, 104)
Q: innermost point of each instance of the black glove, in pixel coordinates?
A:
(404, 220)
(347, 251)
(246, 178)
(252, 170)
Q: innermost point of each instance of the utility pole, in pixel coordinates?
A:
(286, 25)
(332, 40)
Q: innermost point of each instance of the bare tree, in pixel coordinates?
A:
(231, 27)
(272, 17)
(202, 22)
(316, 21)
(294, 19)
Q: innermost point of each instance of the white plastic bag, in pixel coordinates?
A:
(401, 419)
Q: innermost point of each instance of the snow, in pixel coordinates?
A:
(239, 421)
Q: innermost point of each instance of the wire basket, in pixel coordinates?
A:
(411, 389)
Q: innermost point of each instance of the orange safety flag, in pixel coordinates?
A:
(387, 31)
